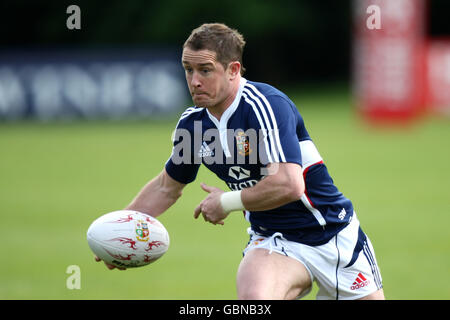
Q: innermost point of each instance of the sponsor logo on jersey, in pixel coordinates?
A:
(360, 282)
(238, 173)
(242, 185)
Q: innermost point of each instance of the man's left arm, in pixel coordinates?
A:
(283, 185)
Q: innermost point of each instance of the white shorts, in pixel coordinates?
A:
(343, 268)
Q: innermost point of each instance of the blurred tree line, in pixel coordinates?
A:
(287, 40)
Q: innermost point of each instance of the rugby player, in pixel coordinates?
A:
(251, 135)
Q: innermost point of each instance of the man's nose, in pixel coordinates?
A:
(195, 81)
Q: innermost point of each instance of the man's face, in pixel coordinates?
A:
(206, 77)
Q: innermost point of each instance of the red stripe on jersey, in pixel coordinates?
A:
(308, 167)
(304, 178)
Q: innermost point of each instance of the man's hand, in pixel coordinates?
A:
(210, 207)
(109, 266)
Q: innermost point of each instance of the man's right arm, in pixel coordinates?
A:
(158, 195)
(155, 197)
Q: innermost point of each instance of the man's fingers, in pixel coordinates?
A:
(197, 211)
(207, 188)
(109, 266)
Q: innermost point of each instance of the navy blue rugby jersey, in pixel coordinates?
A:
(262, 126)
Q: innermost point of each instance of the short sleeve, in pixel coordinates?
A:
(182, 166)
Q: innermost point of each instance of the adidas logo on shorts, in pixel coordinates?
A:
(360, 282)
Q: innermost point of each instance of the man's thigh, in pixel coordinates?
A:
(263, 274)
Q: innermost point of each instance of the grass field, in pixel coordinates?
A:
(56, 178)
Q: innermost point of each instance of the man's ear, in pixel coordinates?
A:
(234, 69)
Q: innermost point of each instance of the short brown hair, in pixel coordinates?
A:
(227, 43)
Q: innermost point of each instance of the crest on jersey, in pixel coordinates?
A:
(243, 144)
(142, 232)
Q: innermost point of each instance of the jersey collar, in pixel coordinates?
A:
(222, 124)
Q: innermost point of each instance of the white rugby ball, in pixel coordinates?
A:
(128, 239)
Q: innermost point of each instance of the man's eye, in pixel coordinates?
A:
(206, 71)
